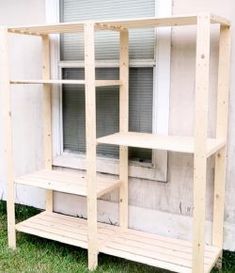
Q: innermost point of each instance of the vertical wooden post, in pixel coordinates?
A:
(221, 132)
(7, 131)
(47, 142)
(123, 126)
(200, 156)
(90, 101)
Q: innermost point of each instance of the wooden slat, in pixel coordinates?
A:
(115, 25)
(167, 242)
(151, 249)
(67, 182)
(159, 251)
(221, 131)
(201, 142)
(47, 81)
(47, 29)
(98, 83)
(138, 246)
(153, 141)
(123, 127)
(7, 134)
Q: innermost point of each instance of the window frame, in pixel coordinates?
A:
(157, 170)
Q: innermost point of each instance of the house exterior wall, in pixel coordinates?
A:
(169, 203)
(25, 61)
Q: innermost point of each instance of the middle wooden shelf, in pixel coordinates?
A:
(153, 141)
(67, 182)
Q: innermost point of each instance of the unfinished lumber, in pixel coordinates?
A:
(221, 131)
(47, 130)
(116, 25)
(200, 131)
(159, 142)
(177, 255)
(90, 105)
(123, 127)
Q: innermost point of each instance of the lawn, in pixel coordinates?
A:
(37, 255)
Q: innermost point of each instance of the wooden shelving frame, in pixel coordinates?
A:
(168, 253)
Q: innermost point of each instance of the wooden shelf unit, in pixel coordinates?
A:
(168, 253)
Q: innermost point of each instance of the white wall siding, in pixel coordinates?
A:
(25, 63)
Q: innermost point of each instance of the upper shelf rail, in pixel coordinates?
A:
(116, 25)
(98, 83)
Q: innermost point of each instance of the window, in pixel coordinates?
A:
(68, 107)
(107, 48)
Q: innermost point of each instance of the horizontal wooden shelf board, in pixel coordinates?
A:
(97, 82)
(66, 182)
(65, 229)
(153, 141)
(168, 253)
(115, 25)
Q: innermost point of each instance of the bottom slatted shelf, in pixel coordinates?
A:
(168, 253)
(163, 252)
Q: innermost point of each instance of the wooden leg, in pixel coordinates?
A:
(200, 155)
(123, 125)
(124, 207)
(90, 100)
(11, 216)
(221, 132)
(47, 128)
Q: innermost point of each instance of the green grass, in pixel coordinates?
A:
(37, 255)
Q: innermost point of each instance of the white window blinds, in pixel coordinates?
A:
(107, 48)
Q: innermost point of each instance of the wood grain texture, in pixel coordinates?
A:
(200, 145)
(46, 104)
(98, 83)
(168, 143)
(168, 253)
(90, 105)
(66, 182)
(116, 25)
(123, 127)
(221, 131)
